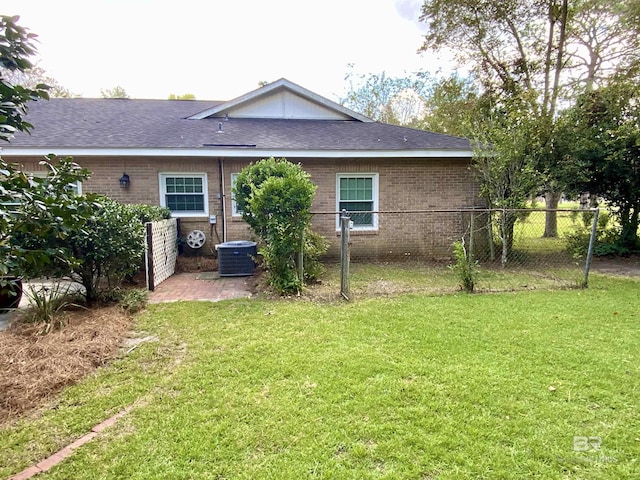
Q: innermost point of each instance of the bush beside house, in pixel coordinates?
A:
(49, 230)
(275, 198)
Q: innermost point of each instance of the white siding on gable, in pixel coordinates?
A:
(286, 104)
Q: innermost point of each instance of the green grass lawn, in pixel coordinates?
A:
(528, 232)
(413, 387)
(392, 278)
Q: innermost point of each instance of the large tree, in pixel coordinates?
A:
(453, 106)
(542, 51)
(35, 76)
(444, 105)
(396, 100)
(603, 136)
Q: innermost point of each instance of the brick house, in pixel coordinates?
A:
(185, 155)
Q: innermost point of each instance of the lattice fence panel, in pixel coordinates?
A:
(162, 251)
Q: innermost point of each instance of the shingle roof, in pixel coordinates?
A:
(128, 123)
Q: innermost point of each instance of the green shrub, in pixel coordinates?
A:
(132, 300)
(607, 241)
(586, 218)
(44, 213)
(275, 198)
(54, 232)
(111, 246)
(150, 213)
(315, 245)
(465, 268)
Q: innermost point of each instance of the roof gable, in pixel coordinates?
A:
(284, 100)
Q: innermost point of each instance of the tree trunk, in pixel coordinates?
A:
(507, 223)
(551, 199)
(629, 219)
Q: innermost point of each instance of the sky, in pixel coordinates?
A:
(221, 49)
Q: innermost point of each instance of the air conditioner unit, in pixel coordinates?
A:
(235, 259)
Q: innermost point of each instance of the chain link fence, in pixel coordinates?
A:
(401, 252)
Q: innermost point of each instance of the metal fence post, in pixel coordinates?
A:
(592, 241)
(301, 259)
(345, 254)
(471, 239)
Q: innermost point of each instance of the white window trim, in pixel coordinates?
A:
(234, 205)
(162, 182)
(41, 174)
(375, 192)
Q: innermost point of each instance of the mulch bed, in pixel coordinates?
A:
(34, 367)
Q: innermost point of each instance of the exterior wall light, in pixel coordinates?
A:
(124, 181)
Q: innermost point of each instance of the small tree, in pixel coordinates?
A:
(505, 165)
(46, 212)
(110, 245)
(275, 197)
(465, 268)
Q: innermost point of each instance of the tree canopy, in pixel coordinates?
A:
(601, 138)
(529, 61)
(186, 96)
(542, 53)
(35, 76)
(16, 48)
(115, 92)
(396, 100)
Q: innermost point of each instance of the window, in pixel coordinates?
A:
(184, 194)
(75, 187)
(12, 206)
(235, 211)
(358, 194)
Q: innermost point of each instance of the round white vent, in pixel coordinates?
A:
(196, 239)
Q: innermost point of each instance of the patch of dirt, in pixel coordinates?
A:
(35, 367)
(196, 263)
(625, 266)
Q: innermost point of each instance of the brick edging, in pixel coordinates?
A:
(60, 455)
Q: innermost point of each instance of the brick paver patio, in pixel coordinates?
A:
(206, 286)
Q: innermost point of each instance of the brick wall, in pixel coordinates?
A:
(404, 184)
